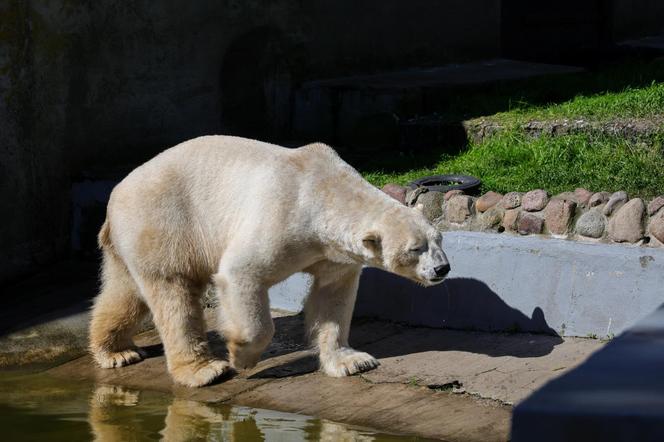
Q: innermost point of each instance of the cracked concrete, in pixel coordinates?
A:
(412, 392)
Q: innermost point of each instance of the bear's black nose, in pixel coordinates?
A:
(442, 270)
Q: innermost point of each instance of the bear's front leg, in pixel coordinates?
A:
(328, 312)
(244, 317)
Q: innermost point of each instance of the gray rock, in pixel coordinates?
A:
(616, 200)
(487, 201)
(655, 205)
(459, 208)
(530, 224)
(598, 199)
(535, 200)
(511, 200)
(559, 214)
(412, 195)
(510, 219)
(656, 227)
(450, 193)
(591, 224)
(627, 223)
(490, 219)
(432, 204)
(395, 191)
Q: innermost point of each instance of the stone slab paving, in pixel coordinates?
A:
(409, 393)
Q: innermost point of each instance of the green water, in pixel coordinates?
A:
(37, 407)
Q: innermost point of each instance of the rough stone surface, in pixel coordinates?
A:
(511, 200)
(626, 225)
(490, 219)
(599, 198)
(450, 193)
(655, 205)
(569, 196)
(459, 208)
(558, 214)
(616, 200)
(535, 200)
(412, 195)
(530, 224)
(656, 227)
(487, 201)
(432, 204)
(395, 191)
(582, 196)
(510, 219)
(591, 224)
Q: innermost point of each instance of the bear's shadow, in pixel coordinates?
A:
(458, 315)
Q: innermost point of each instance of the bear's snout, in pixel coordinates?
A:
(442, 270)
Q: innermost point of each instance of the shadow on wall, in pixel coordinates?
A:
(256, 85)
(458, 303)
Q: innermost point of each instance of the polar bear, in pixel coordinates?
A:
(246, 215)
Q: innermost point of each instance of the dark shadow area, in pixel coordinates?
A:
(419, 340)
(256, 85)
(616, 395)
(458, 303)
(308, 363)
(57, 291)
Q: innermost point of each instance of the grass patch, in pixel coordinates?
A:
(512, 161)
(643, 102)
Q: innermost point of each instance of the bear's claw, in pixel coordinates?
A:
(200, 375)
(347, 362)
(120, 358)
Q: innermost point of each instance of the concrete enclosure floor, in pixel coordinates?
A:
(451, 385)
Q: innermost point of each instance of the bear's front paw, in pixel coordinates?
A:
(346, 362)
(199, 374)
(120, 358)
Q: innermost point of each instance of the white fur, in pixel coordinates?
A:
(247, 215)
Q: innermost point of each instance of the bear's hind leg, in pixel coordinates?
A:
(178, 315)
(115, 315)
(328, 312)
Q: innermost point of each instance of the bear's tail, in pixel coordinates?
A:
(104, 237)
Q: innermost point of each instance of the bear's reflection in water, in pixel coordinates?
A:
(112, 417)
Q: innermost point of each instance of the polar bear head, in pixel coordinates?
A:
(406, 244)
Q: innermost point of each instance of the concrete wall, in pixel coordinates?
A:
(637, 18)
(504, 283)
(508, 283)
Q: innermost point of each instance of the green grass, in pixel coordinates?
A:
(511, 161)
(640, 102)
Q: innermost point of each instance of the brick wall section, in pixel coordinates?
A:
(576, 215)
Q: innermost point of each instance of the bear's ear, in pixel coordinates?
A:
(371, 242)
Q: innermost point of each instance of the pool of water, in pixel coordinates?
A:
(37, 407)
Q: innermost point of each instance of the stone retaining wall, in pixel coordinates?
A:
(578, 215)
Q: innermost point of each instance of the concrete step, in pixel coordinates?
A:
(371, 110)
(436, 131)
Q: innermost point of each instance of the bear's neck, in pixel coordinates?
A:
(345, 213)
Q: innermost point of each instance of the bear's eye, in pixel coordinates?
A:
(418, 249)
